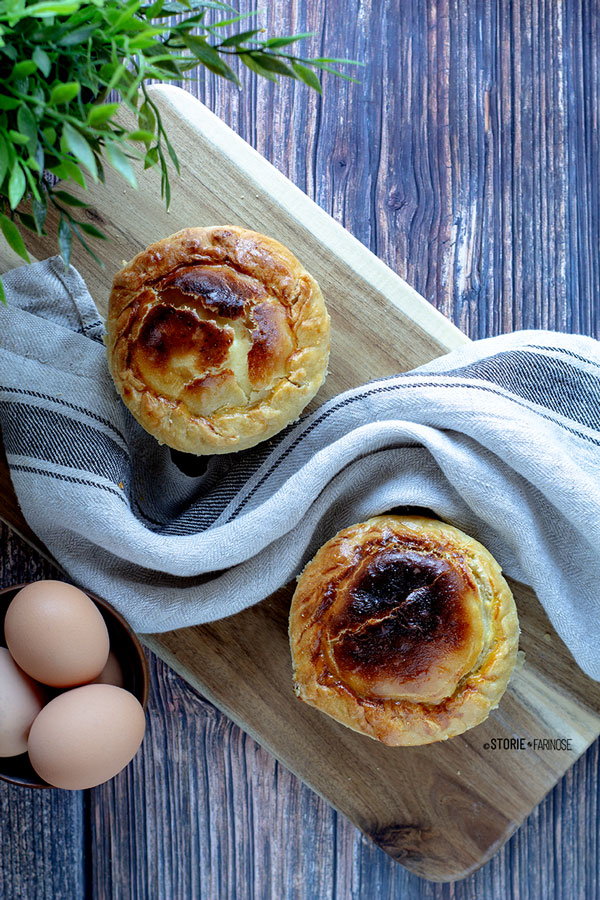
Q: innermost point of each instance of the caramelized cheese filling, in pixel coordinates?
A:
(211, 338)
(404, 624)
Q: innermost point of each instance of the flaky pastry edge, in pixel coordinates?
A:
(401, 722)
(232, 429)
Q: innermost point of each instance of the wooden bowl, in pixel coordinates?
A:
(129, 652)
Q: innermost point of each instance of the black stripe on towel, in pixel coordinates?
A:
(556, 384)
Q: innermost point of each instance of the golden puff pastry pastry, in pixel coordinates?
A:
(404, 629)
(217, 338)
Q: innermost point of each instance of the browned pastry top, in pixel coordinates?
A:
(217, 338)
(410, 625)
(403, 628)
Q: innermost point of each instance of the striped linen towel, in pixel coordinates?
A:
(501, 438)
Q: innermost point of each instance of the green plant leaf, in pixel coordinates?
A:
(191, 21)
(151, 158)
(272, 64)
(85, 14)
(92, 231)
(38, 97)
(84, 244)
(55, 8)
(174, 8)
(63, 93)
(123, 21)
(65, 239)
(78, 36)
(60, 171)
(101, 113)
(165, 185)
(10, 51)
(170, 67)
(111, 74)
(27, 125)
(2, 294)
(49, 134)
(337, 59)
(9, 102)
(39, 208)
(74, 172)
(119, 161)
(12, 236)
(146, 40)
(28, 221)
(285, 41)
(152, 12)
(319, 64)
(255, 66)
(307, 76)
(62, 58)
(145, 137)
(236, 39)
(23, 69)
(12, 151)
(172, 154)
(17, 138)
(80, 149)
(39, 156)
(33, 183)
(223, 23)
(42, 61)
(69, 199)
(208, 56)
(4, 160)
(146, 117)
(16, 185)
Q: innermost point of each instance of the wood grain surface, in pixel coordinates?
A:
(446, 808)
(468, 161)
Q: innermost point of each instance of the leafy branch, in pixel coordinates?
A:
(59, 62)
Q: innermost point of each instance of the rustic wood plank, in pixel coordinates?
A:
(478, 207)
(524, 252)
(205, 812)
(224, 819)
(447, 808)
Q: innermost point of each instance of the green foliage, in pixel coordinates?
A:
(60, 59)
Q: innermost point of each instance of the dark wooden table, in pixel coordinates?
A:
(467, 159)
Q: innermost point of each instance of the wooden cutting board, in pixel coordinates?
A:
(441, 810)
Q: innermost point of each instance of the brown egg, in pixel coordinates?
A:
(112, 673)
(21, 699)
(86, 736)
(56, 634)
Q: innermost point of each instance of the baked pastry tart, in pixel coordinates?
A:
(403, 628)
(217, 338)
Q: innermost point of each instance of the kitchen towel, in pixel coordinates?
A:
(500, 437)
